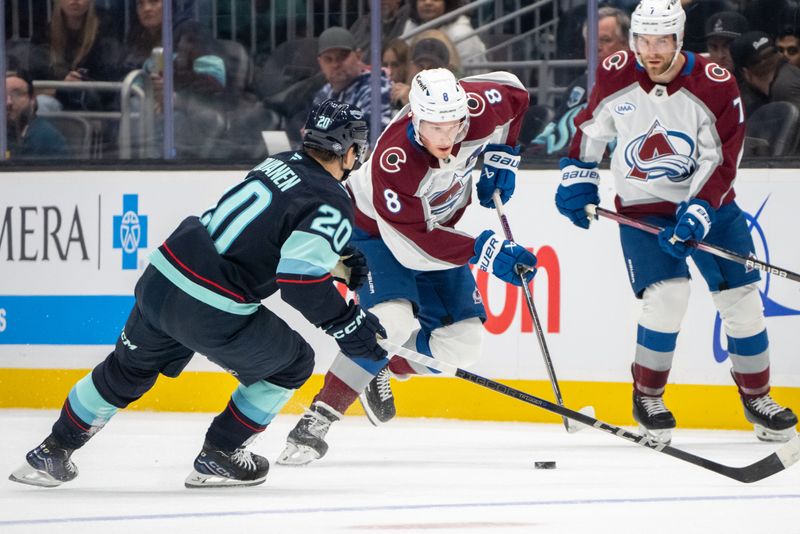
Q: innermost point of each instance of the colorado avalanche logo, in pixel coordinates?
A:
(615, 61)
(476, 104)
(661, 153)
(391, 158)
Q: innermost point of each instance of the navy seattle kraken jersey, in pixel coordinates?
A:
(283, 227)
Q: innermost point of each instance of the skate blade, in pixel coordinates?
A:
(201, 480)
(297, 455)
(663, 435)
(27, 474)
(774, 436)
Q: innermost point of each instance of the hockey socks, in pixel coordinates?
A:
(750, 359)
(249, 411)
(653, 361)
(83, 414)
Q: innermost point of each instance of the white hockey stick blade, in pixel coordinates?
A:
(577, 426)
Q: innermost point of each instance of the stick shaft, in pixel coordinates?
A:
(787, 455)
(537, 325)
(751, 263)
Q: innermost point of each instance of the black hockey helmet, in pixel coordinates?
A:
(335, 127)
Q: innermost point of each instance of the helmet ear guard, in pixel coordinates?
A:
(436, 96)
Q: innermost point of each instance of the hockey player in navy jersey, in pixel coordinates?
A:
(286, 226)
(409, 196)
(679, 126)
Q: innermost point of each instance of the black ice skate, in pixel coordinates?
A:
(48, 465)
(771, 421)
(306, 441)
(654, 418)
(214, 468)
(377, 399)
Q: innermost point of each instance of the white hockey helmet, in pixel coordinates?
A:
(436, 96)
(658, 17)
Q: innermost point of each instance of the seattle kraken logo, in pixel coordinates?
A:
(660, 153)
(130, 231)
(771, 308)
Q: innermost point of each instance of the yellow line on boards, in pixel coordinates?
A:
(694, 406)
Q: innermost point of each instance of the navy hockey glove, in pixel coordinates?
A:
(577, 189)
(352, 269)
(500, 164)
(694, 221)
(505, 258)
(355, 332)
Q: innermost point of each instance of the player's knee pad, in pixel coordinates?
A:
(741, 310)
(397, 317)
(664, 305)
(120, 384)
(459, 343)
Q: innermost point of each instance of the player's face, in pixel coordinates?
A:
(789, 46)
(719, 51)
(438, 138)
(656, 52)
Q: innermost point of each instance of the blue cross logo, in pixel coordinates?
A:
(130, 231)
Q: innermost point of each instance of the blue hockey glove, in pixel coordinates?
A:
(577, 189)
(355, 332)
(352, 269)
(504, 258)
(500, 164)
(694, 221)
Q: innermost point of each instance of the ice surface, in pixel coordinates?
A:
(412, 475)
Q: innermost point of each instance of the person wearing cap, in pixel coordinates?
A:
(764, 70)
(788, 43)
(721, 29)
(29, 136)
(348, 78)
(428, 53)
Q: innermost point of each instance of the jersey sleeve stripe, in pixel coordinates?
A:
(299, 267)
(302, 281)
(309, 249)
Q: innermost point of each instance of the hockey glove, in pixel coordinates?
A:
(504, 258)
(500, 164)
(694, 221)
(355, 332)
(577, 189)
(351, 269)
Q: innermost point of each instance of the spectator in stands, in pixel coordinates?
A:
(29, 136)
(426, 54)
(721, 29)
(765, 70)
(348, 78)
(470, 49)
(394, 14)
(82, 47)
(788, 43)
(144, 35)
(396, 63)
(613, 25)
(454, 63)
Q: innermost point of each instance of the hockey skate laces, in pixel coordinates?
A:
(384, 387)
(318, 423)
(654, 405)
(766, 406)
(244, 459)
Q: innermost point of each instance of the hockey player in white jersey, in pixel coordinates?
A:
(409, 196)
(679, 125)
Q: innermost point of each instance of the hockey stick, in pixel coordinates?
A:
(788, 454)
(751, 263)
(537, 325)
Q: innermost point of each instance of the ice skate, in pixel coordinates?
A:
(48, 465)
(771, 421)
(378, 400)
(654, 418)
(214, 468)
(306, 441)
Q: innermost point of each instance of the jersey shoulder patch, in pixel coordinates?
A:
(617, 61)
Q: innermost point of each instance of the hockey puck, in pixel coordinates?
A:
(544, 465)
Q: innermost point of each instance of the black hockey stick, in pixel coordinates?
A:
(776, 462)
(537, 324)
(751, 263)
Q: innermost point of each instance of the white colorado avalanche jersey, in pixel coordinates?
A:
(674, 142)
(411, 199)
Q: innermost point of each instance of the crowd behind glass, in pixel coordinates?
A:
(87, 80)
